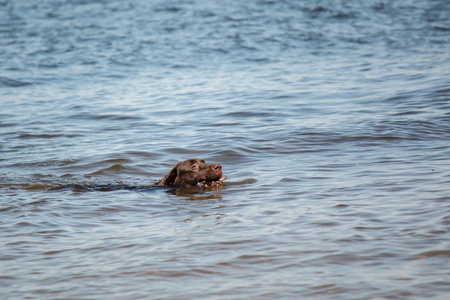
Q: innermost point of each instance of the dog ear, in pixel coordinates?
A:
(169, 179)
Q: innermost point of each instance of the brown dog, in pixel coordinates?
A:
(193, 172)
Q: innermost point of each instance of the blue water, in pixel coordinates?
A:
(331, 120)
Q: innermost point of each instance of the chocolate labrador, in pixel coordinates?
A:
(193, 172)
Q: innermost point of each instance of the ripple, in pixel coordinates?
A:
(5, 81)
(435, 253)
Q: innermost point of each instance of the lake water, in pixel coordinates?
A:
(331, 120)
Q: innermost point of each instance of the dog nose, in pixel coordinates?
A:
(217, 167)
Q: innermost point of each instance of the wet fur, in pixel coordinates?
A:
(192, 172)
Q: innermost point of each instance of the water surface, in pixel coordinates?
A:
(331, 120)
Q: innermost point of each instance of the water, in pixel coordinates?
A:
(331, 120)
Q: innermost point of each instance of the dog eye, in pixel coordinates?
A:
(193, 167)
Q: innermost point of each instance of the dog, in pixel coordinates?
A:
(193, 172)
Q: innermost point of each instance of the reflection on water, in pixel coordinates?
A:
(330, 120)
